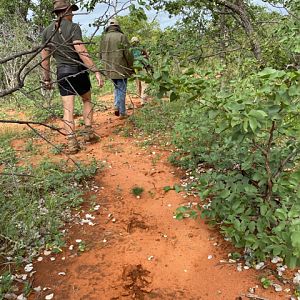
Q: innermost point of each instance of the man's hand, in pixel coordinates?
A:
(47, 84)
(99, 79)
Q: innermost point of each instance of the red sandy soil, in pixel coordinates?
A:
(137, 250)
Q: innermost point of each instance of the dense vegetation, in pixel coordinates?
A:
(231, 71)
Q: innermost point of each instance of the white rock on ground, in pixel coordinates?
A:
(296, 279)
(28, 268)
(49, 297)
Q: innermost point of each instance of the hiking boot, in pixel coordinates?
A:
(89, 135)
(123, 116)
(73, 146)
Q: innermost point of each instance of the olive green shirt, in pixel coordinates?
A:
(116, 57)
(61, 44)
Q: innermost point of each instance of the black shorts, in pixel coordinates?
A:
(73, 80)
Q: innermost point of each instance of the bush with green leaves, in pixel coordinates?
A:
(36, 201)
(248, 137)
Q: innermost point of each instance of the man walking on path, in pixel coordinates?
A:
(73, 62)
(118, 63)
(141, 67)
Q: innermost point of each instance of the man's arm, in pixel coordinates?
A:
(46, 68)
(87, 60)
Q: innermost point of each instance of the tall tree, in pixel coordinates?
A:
(238, 9)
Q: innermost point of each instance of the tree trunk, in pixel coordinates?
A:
(240, 10)
(223, 34)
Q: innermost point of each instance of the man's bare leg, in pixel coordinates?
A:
(89, 135)
(87, 109)
(69, 124)
(68, 104)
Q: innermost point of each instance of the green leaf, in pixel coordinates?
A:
(294, 90)
(189, 71)
(258, 114)
(182, 209)
(224, 194)
(274, 109)
(295, 238)
(251, 238)
(253, 124)
(251, 226)
(193, 214)
(281, 226)
(174, 96)
(267, 72)
(222, 127)
(204, 194)
(277, 250)
(250, 189)
(212, 114)
(179, 216)
(263, 209)
(177, 188)
(271, 73)
(280, 214)
(291, 261)
(168, 188)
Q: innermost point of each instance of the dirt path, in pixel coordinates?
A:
(137, 250)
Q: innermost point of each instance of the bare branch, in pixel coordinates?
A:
(32, 123)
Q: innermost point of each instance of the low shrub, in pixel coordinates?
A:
(35, 203)
(248, 138)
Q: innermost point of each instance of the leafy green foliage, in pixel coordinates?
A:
(35, 205)
(136, 24)
(248, 137)
(6, 281)
(245, 132)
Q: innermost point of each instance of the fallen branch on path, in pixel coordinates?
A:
(254, 297)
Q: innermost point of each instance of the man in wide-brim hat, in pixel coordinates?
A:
(73, 62)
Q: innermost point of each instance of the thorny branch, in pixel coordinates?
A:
(32, 123)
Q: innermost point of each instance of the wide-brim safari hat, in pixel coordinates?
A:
(62, 5)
